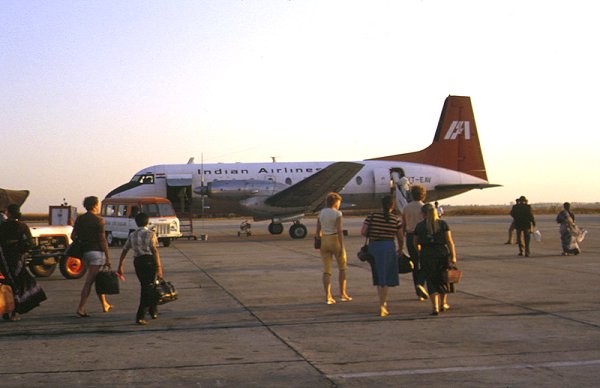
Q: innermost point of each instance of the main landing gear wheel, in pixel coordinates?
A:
(275, 228)
(298, 231)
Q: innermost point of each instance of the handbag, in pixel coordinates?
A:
(363, 254)
(7, 299)
(452, 275)
(405, 264)
(164, 291)
(74, 250)
(107, 282)
(317, 242)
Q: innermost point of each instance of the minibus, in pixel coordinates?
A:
(119, 216)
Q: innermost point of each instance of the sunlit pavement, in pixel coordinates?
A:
(252, 313)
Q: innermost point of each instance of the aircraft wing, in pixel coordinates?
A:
(310, 192)
(466, 186)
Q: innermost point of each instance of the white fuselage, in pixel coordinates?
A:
(363, 191)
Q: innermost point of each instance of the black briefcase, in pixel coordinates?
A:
(107, 282)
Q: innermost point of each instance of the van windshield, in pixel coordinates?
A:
(158, 209)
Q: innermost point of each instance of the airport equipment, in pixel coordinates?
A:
(49, 245)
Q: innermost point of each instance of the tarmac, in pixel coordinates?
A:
(251, 313)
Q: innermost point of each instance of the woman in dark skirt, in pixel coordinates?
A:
(15, 241)
(382, 228)
(437, 253)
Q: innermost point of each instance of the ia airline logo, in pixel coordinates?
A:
(457, 128)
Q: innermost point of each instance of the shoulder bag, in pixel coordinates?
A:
(363, 254)
(317, 242)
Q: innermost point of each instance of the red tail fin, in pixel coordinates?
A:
(455, 144)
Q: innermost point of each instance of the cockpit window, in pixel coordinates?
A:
(145, 179)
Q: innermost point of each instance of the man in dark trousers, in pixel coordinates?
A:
(524, 222)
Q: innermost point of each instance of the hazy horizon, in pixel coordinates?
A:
(94, 91)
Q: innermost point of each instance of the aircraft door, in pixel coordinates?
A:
(179, 192)
(381, 181)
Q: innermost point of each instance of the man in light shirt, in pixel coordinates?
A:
(147, 265)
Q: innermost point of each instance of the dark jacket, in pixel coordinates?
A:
(523, 216)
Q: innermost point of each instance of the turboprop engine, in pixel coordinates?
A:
(239, 189)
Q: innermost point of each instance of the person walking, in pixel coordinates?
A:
(569, 231)
(437, 254)
(15, 242)
(331, 233)
(148, 267)
(411, 216)
(400, 188)
(524, 222)
(382, 228)
(89, 230)
(439, 209)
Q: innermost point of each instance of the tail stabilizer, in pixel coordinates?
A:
(455, 145)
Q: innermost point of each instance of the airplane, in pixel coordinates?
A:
(285, 191)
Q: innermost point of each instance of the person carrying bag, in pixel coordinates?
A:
(330, 231)
(438, 254)
(363, 254)
(147, 265)
(383, 229)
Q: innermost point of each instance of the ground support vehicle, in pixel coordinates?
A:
(119, 217)
(49, 245)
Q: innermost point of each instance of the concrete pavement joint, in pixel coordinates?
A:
(552, 364)
(153, 367)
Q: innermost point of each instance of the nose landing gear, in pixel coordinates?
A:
(245, 227)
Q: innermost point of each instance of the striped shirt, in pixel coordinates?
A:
(141, 242)
(380, 229)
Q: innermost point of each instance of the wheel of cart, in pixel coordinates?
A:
(72, 267)
(42, 270)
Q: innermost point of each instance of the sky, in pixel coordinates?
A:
(93, 91)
